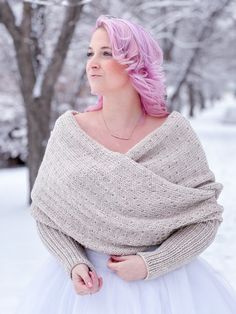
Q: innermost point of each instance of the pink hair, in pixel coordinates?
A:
(133, 46)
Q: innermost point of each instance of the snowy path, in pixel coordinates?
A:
(22, 252)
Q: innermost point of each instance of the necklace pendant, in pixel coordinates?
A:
(116, 136)
(121, 138)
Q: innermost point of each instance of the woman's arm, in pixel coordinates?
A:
(68, 251)
(180, 248)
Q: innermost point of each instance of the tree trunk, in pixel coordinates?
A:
(201, 100)
(191, 99)
(38, 124)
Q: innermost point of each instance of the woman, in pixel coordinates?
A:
(124, 199)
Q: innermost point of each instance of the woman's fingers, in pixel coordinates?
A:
(85, 281)
(95, 281)
(100, 282)
(81, 286)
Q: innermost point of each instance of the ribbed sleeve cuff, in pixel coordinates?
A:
(179, 249)
(68, 251)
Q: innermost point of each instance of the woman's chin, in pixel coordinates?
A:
(96, 91)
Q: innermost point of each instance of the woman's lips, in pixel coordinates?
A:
(95, 76)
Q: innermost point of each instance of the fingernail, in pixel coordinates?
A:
(90, 284)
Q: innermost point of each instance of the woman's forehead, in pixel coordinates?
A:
(100, 35)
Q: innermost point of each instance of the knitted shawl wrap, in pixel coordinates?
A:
(124, 203)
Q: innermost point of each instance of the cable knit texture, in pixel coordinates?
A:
(158, 200)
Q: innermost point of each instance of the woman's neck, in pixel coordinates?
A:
(122, 111)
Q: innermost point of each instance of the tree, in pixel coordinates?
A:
(37, 76)
(189, 33)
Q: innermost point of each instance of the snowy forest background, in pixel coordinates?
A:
(43, 55)
(43, 47)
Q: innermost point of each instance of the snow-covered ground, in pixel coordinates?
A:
(22, 252)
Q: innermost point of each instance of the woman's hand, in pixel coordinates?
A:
(129, 267)
(82, 277)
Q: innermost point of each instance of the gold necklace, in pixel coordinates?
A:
(123, 138)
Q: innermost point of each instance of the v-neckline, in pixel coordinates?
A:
(140, 143)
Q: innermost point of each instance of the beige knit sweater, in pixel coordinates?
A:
(158, 200)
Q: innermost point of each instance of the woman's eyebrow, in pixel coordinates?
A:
(104, 47)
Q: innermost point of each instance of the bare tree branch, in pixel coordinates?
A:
(78, 90)
(37, 31)
(71, 17)
(21, 40)
(24, 54)
(203, 34)
(8, 19)
(66, 3)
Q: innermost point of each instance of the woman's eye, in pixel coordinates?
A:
(105, 53)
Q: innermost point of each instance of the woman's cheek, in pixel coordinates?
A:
(115, 67)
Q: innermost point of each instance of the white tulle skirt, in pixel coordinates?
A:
(196, 288)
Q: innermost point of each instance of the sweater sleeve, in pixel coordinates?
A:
(68, 251)
(179, 248)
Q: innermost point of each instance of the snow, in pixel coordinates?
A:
(38, 85)
(22, 252)
(56, 2)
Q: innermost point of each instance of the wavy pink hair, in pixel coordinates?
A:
(133, 46)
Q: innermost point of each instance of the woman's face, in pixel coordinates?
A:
(105, 75)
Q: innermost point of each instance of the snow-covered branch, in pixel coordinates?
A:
(8, 19)
(72, 15)
(147, 5)
(206, 28)
(64, 3)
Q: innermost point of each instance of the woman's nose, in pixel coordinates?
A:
(94, 66)
(94, 63)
